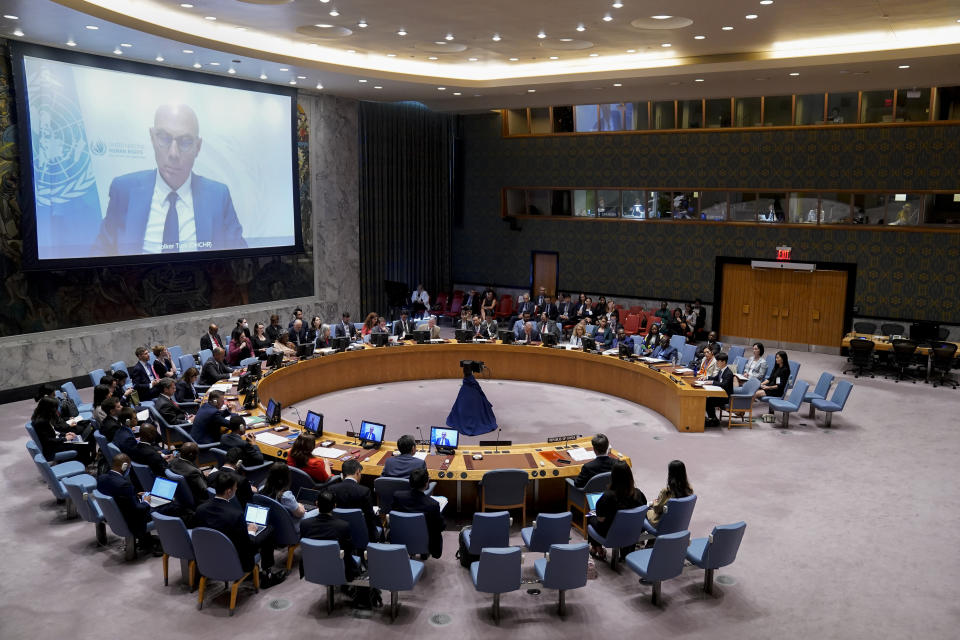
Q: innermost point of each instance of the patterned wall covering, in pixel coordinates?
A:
(42, 301)
(900, 274)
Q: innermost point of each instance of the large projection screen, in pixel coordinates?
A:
(125, 162)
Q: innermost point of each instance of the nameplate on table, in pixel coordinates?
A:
(578, 454)
(271, 439)
(572, 436)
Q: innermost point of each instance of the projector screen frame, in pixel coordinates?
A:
(30, 260)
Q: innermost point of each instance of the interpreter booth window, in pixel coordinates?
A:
(659, 203)
(778, 111)
(540, 120)
(809, 109)
(771, 207)
(690, 114)
(538, 202)
(748, 112)
(913, 105)
(876, 106)
(718, 114)
(942, 208)
(634, 204)
(664, 115)
(586, 117)
(641, 117)
(869, 208)
(563, 119)
(561, 202)
(904, 210)
(803, 208)
(608, 203)
(585, 203)
(615, 117)
(947, 103)
(743, 206)
(842, 108)
(515, 202)
(835, 208)
(517, 122)
(713, 206)
(683, 205)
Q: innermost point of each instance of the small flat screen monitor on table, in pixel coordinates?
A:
(371, 433)
(273, 411)
(305, 350)
(379, 339)
(506, 336)
(314, 422)
(444, 438)
(340, 343)
(549, 339)
(589, 344)
(421, 337)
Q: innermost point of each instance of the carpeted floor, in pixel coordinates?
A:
(851, 531)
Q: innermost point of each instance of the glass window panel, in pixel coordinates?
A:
(664, 116)
(561, 202)
(683, 205)
(771, 207)
(809, 109)
(842, 108)
(746, 112)
(869, 208)
(713, 204)
(948, 103)
(616, 116)
(803, 208)
(538, 202)
(690, 114)
(743, 206)
(777, 111)
(634, 204)
(942, 208)
(586, 117)
(876, 106)
(585, 203)
(540, 120)
(904, 209)
(641, 118)
(718, 113)
(517, 122)
(515, 202)
(562, 119)
(658, 204)
(608, 203)
(834, 208)
(913, 105)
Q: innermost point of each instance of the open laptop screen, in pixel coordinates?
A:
(257, 514)
(592, 499)
(163, 488)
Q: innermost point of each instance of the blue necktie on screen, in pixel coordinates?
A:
(171, 228)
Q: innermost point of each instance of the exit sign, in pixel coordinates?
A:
(783, 253)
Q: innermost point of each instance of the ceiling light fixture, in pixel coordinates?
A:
(580, 27)
(118, 51)
(554, 57)
(210, 18)
(473, 59)
(727, 28)
(617, 4)
(293, 82)
(661, 17)
(904, 66)
(441, 88)
(319, 85)
(448, 37)
(18, 33)
(10, 17)
(594, 55)
(284, 69)
(433, 58)
(362, 24)
(231, 71)
(766, 1)
(214, 64)
(698, 80)
(125, 45)
(457, 93)
(92, 27)
(197, 65)
(323, 25)
(159, 58)
(377, 87)
(794, 73)
(631, 50)
(71, 43)
(531, 90)
(541, 35)
(187, 51)
(666, 44)
(186, 5)
(566, 39)
(391, 55)
(699, 37)
(607, 17)
(240, 28)
(402, 32)
(514, 59)
(361, 81)
(263, 76)
(751, 16)
(496, 37)
(301, 77)
(334, 12)
(618, 84)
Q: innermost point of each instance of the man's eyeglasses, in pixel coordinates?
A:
(184, 143)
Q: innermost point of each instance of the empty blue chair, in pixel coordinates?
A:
(59, 456)
(740, 365)
(175, 540)
(80, 489)
(836, 401)
(96, 375)
(183, 495)
(716, 551)
(741, 403)
(143, 474)
(112, 450)
(285, 531)
(175, 352)
(102, 443)
(111, 513)
(54, 479)
(675, 517)
(300, 479)
(677, 342)
(735, 352)
(504, 489)
(323, 564)
(625, 531)
(663, 562)
(184, 362)
(71, 390)
(577, 497)
(563, 568)
(217, 559)
(687, 355)
(497, 571)
(488, 530)
(257, 474)
(820, 391)
(791, 404)
(204, 355)
(359, 534)
(391, 569)
(548, 529)
(410, 530)
(61, 470)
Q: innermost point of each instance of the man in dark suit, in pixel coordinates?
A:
(413, 500)
(297, 332)
(529, 334)
(136, 512)
(170, 209)
(123, 437)
(212, 416)
(723, 379)
(211, 339)
(442, 439)
(227, 518)
(526, 306)
(601, 464)
(565, 312)
(541, 300)
(143, 377)
(110, 424)
(401, 466)
(549, 308)
(350, 494)
(324, 526)
(664, 350)
(402, 327)
(215, 369)
(186, 465)
(251, 454)
(166, 405)
(245, 490)
(148, 452)
(548, 326)
(472, 302)
(345, 328)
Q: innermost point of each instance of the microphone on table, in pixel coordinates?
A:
(497, 448)
(421, 439)
(299, 417)
(354, 429)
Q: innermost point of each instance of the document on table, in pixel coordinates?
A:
(252, 420)
(683, 370)
(143, 415)
(328, 452)
(652, 360)
(442, 500)
(711, 387)
(271, 439)
(421, 455)
(221, 386)
(578, 454)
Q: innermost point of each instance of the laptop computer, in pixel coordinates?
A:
(307, 496)
(592, 499)
(256, 515)
(162, 492)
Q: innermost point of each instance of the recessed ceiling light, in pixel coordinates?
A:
(351, 50)
(531, 90)
(323, 25)
(631, 50)
(240, 28)
(594, 55)
(449, 36)
(334, 12)
(284, 69)
(457, 93)
(301, 77)
(666, 44)
(433, 58)
(794, 73)
(391, 55)
(618, 84)
(210, 18)
(293, 82)
(904, 66)
(514, 59)
(440, 42)
(362, 24)
(496, 37)
(402, 32)
(673, 84)
(125, 45)
(566, 39)
(188, 51)
(324, 1)
(580, 27)
(18, 33)
(159, 58)
(617, 4)
(71, 43)
(197, 65)
(92, 27)
(214, 64)
(441, 88)
(361, 81)
(607, 17)
(319, 85)
(699, 37)
(541, 35)
(10, 17)
(727, 28)
(231, 71)
(751, 16)
(263, 76)
(698, 80)
(473, 59)
(118, 51)
(186, 5)
(661, 17)
(766, 1)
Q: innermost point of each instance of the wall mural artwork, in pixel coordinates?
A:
(50, 300)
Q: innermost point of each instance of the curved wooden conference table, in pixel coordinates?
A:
(660, 388)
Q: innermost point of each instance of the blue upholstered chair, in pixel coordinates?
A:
(716, 551)
(176, 542)
(102, 443)
(497, 571)
(625, 531)
(54, 480)
(385, 487)
(687, 355)
(58, 457)
(323, 564)
(300, 479)
(820, 391)
(80, 489)
(740, 365)
(577, 497)
(791, 404)
(359, 534)
(120, 365)
(548, 529)
(487, 530)
(71, 390)
(184, 362)
(676, 516)
(663, 562)
(61, 470)
(836, 401)
(410, 530)
(285, 531)
(246, 362)
(257, 474)
(391, 569)
(563, 568)
(677, 342)
(175, 352)
(734, 352)
(219, 455)
(118, 524)
(204, 355)
(183, 495)
(143, 475)
(741, 403)
(504, 489)
(96, 375)
(217, 559)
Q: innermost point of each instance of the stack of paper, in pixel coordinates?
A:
(442, 500)
(271, 439)
(253, 420)
(221, 386)
(420, 455)
(328, 452)
(712, 387)
(578, 454)
(683, 370)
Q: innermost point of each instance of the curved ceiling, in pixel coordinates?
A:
(503, 53)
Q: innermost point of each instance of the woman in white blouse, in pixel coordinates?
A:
(757, 365)
(576, 338)
(708, 365)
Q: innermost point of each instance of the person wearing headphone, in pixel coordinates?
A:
(136, 512)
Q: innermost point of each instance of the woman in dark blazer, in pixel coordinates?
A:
(260, 340)
(163, 366)
(55, 434)
(620, 495)
(776, 383)
(186, 392)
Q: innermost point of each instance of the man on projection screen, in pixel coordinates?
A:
(170, 209)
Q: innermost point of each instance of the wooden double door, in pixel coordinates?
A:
(783, 305)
